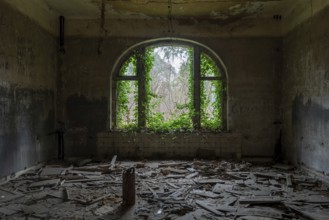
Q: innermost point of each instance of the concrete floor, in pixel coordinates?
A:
(86, 189)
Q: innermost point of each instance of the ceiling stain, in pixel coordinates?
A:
(142, 9)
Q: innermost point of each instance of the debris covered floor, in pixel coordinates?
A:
(164, 190)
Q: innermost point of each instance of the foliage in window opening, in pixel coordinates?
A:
(127, 96)
(169, 89)
(170, 103)
(148, 62)
(211, 95)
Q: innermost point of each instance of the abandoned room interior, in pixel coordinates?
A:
(164, 109)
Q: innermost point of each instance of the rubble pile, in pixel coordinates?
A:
(180, 190)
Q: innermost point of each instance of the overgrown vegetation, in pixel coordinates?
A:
(127, 96)
(170, 105)
(211, 95)
(169, 91)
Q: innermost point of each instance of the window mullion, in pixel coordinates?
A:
(196, 88)
(141, 87)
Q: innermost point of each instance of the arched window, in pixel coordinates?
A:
(169, 86)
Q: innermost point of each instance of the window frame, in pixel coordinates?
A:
(139, 51)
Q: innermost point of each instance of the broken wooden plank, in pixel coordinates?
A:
(172, 185)
(177, 193)
(84, 162)
(269, 175)
(36, 208)
(192, 175)
(209, 208)
(175, 176)
(113, 161)
(226, 208)
(254, 218)
(179, 171)
(52, 171)
(288, 180)
(197, 214)
(10, 209)
(283, 167)
(60, 194)
(308, 198)
(45, 183)
(220, 188)
(260, 212)
(228, 200)
(79, 172)
(172, 164)
(209, 181)
(274, 182)
(100, 178)
(260, 200)
(7, 195)
(316, 214)
(204, 193)
(236, 192)
(105, 209)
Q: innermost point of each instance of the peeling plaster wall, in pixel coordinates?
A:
(28, 65)
(254, 66)
(37, 12)
(231, 27)
(305, 100)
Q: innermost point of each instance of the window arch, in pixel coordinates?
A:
(169, 85)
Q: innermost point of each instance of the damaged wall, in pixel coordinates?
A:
(306, 93)
(254, 66)
(28, 65)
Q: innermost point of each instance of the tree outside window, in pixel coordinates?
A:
(169, 88)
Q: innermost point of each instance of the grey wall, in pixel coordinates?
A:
(305, 94)
(254, 67)
(28, 67)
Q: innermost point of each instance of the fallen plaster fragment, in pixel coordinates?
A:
(7, 195)
(113, 161)
(260, 200)
(192, 175)
(209, 208)
(313, 213)
(106, 209)
(254, 218)
(209, 181)
(260, 212)
(206, 194)
(288, 180)
(283, 167)
(52, 182)
(220, 188)
(10, 209)
(51, 171)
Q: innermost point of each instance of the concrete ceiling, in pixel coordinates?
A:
(123, 9)
(247, 17)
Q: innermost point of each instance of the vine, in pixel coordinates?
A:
(177, 122)
(181, 120)
(126, 109)
(211, 95)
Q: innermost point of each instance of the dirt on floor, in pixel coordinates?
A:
(184, 190)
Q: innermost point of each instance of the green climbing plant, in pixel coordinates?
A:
(211, 95)
(181, 118)
(127, 109)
